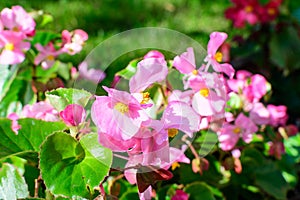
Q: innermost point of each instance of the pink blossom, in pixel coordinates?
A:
(214, 57)
(94, 75)
(149, 71)
(206, 102)
(123, 114)
(15, 126)
(154, 54)
(181, 116)
(180, 195)
(17, 19)
(229, 135)
(73, 115)
(73, 41)
(185, 63)
(278, 115)
(269, 11)
(46, 55)
(243, 11)
(13, 47)
(41, 110)
(178, 95)
(240, 82)
(259, 114)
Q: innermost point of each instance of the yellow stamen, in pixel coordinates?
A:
(237, 130)
(50, 57)
(9, 47)
(172, 132)
(219, 56)
(204, 92)
(175, 165)
(195, 72)
(146, 97)
(121, 107)
(271, 11)
(16, 29)
(248, 9)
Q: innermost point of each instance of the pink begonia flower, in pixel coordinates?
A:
(180, 195)
(154, 54)
(180, 115)
(13, 47)
(242, 12)
(46, 55)
(259, 114)
(41, 110)
(17, 19)
(73, 41)
(178, 95)
(278, 115)
(149, 71)
(269, 11)
(240, 82)
(214, 57)
(123, 114)
(15, 126)
(73, 115)
(229, 135)
(207, 103)
(93, 75)
(185, 63)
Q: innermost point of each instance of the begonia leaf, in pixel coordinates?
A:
(71, 168)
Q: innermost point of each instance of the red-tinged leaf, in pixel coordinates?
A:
(149, 175)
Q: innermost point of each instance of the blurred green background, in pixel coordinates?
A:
(102, 19)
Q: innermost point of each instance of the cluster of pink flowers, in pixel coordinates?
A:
(72, 43)
(17, 28)
(130, 126)
(252, 12)
(248, 114)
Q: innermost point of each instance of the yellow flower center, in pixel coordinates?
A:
(219, 56)
(195, 72)
(172, 132)
(271, 11)
(237, 130)
(50, 57)
(175, 165)
(9, 47)
(248, 9)
(16, 29)
(204, 92)
(121, 107)
(146, 97)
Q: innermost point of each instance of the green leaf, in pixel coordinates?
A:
(73, 168)
(292, 145)
(44, 38)
(46, 19)
(235, 101)
(207, 140)
(173, 78)
(130, 70)
(32, 133)
(12, 184)
(285, 48)
(6, 79)
(62, 97)
(199, 191)
(271, 181)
